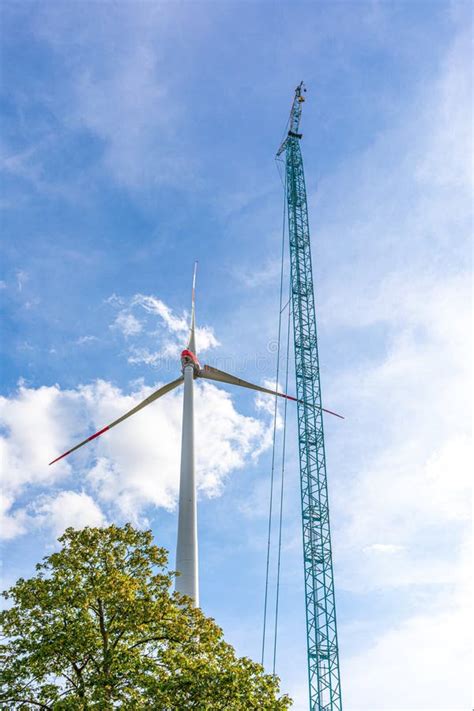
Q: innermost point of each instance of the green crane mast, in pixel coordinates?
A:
(322, 647)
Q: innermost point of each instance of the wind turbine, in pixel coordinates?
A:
(187, 582)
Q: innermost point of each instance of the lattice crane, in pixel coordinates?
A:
(322, 647)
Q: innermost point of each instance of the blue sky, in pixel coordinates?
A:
(137, 137)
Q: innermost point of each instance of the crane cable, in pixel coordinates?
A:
(282, 487)
(279, 162)
(272, 476)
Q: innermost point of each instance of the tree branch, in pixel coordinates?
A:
(103, 629)
(154, 639)
(118, 638)
(35, 703)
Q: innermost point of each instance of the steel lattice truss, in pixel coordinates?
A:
(323, 657)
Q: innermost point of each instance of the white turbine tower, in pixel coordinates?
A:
(187, 582)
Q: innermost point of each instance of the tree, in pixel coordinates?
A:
(97, 628)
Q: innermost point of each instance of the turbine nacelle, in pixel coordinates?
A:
(190, 358)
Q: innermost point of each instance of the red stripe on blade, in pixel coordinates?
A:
(58, 458)
(80, 445)
(98, 433)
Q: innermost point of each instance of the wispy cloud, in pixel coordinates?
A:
(177, 324)
(146, 322)
(260, 276)
(119, 90)
(84, 340)
(127, 324)
(21, 279)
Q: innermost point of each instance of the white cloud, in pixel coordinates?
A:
(69, 508)
(266, 402)
(423, 663)
(127, 324)
(383, 548)
(410, 409)
(205, 339)
(12, 523)
(129, 468)
(34, 423)
(226, 441)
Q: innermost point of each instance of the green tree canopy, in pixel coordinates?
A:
(98, 628)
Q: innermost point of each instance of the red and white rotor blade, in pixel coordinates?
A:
(220, 376)
(151, 398)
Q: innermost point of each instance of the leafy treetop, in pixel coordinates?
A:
(98, 628)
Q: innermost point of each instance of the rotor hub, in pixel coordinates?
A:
(190, 358)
